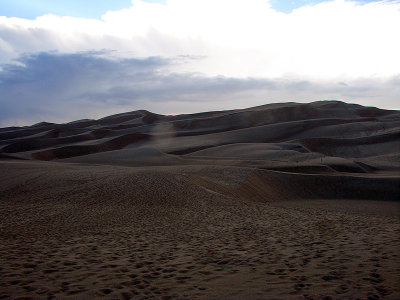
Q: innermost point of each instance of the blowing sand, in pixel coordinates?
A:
(113, 209)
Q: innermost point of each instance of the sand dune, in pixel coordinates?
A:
(330, 128)
(280, 201)
(379, 144)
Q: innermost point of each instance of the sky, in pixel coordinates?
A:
(66, 60)
(29, 9)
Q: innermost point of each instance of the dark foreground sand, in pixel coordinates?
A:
(70, 231)
(281, 201)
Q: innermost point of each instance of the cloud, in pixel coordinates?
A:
(61, 87)
(239, 38)
(196, 55)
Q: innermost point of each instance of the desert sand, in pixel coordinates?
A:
(281, 201)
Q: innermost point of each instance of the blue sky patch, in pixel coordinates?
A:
(29, 9)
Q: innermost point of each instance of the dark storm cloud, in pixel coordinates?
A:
(62, 86)
(47, 83)
(59, 87)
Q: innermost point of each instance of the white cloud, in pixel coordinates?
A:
(246, 54)
(239, 37)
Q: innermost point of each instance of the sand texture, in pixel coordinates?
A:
(282, 201)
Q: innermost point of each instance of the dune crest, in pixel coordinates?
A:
(280, 201)
(325, 139)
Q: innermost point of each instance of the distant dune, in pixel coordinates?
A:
(280, 201)
(330, 138)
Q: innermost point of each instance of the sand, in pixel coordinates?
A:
(244, 204)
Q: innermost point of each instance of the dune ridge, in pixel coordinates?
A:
(325, 137)
(279, 201)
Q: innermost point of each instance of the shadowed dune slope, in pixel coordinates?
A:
(280, 201)
(326, 140)
(113, 232)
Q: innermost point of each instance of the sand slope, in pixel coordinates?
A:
(281, 201)
(189, 232)
(326, 137)
(329, 128)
